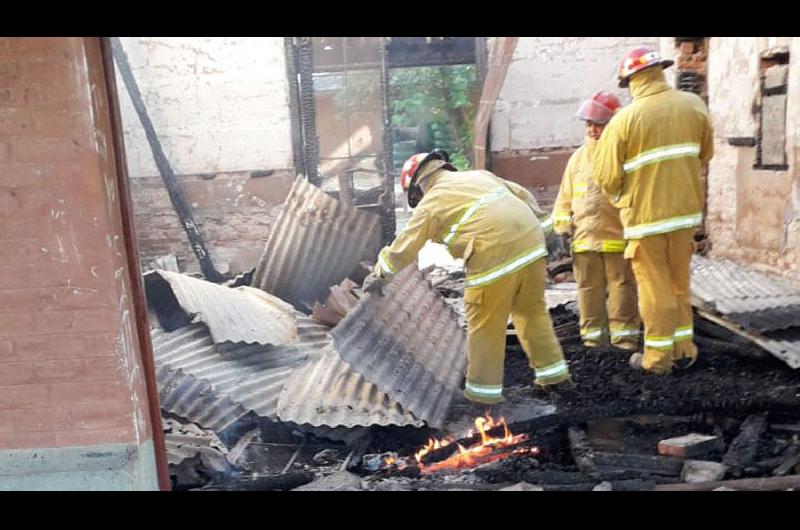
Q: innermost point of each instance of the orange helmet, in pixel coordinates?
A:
(413, 166)
(599, 108)
(637, 60)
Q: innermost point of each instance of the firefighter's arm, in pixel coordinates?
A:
(562, 211)
(527, 197)
(609, 155)
(707, 144)
(406, 245)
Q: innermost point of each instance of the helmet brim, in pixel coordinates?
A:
(666, 63)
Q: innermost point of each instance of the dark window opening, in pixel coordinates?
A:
(771, 139)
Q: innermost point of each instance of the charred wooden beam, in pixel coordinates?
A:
(283, 482)
(171, 183)
(744, 448)
(749, 484)
(642, 464)
(581, 451)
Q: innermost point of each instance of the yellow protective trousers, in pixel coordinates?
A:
(596, 274)
(661, 264)
(520, 294)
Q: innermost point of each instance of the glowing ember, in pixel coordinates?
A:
(490, 449)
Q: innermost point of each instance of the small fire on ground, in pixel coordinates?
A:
(489, 449)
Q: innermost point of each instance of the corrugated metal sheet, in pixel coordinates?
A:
(214, 390)
(241, 314)
(754, 300)
(316, 243)
(330, 393)
(768, 308)
(408, 343)
(251, 375)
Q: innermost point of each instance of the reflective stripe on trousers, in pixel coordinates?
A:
(659, 342)
(667, 152)
(512, 265)
(683, 333)
(487, 391)
(555, 370)
(591, 333)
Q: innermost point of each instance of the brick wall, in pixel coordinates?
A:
(220, 107)
(234, 212)
(70, 371)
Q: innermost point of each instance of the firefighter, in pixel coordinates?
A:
(494, 225)
(583, 213)
(649, 162)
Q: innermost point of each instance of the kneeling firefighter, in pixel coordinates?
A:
(493, 224)
(584, 213)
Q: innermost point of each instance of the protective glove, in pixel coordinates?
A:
(373, 284)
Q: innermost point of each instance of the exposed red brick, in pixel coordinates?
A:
(64, 346)
(21, 175)
(48, 149)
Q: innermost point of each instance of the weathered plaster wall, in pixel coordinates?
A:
(753, 215)
(546, 81)
(220, 107)
(73, 404)
(218, 104)
(533, 127)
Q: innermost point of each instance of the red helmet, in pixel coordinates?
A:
(410, 169)
(637, 60)
(599, 108)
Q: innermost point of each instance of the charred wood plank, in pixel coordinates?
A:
(749, 484)
(171, 183)
(643, 464)
(283, 482)
(743, 450)
(582, 453)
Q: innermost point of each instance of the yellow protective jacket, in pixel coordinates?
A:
(581, 209)
(490, 222)
(650, 156)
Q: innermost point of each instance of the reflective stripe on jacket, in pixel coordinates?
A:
(490, 222)
(650, 157)
(583, 211)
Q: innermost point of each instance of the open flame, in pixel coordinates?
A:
(489, 449)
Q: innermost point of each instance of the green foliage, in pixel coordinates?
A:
(441, 101)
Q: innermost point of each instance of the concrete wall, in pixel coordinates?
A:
(533, 127)
(73, 404)
(753, 215)
(220, 107)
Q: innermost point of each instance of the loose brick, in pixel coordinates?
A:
(703, 471)
(691, 445)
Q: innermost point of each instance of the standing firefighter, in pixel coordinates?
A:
(494, 225)
(583, 212)
(649, 162)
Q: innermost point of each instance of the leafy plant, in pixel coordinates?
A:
(441, 101)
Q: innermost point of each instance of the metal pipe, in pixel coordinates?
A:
(132, 256)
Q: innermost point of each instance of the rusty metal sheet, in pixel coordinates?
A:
(408, 343)
(756, 301)
(215, 391)
(316, 242)
(328, 392)
(241, 314)
(251, 376)
(760, 308)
